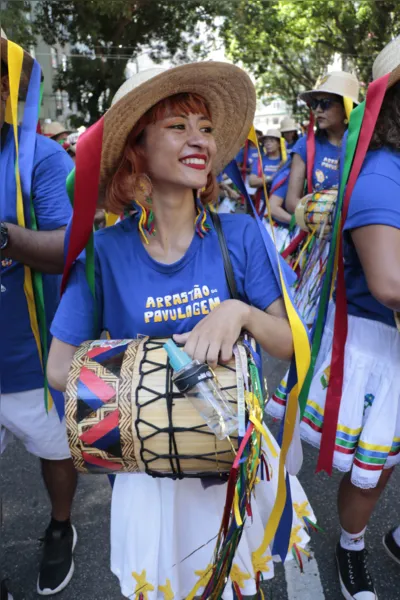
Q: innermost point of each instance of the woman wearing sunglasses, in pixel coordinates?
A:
(327, 103)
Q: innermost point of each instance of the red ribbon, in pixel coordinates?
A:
(310, 148)
(87, 176)
(375, 95)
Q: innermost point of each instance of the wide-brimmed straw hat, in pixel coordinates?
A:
(274, 133)
(53, 129)
(288, 124)
(27, 64)
(339, 83)
(227, 90)
(388, 61)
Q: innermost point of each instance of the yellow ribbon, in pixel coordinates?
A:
(283, 149)
(15, 58)
(302, 359)
(348, 106)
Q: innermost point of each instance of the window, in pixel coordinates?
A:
(54, 58)
(275, 120)
(64, 62)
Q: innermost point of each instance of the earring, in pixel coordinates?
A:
(346, 121)
(200, 223)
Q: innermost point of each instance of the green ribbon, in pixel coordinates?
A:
(356, 119)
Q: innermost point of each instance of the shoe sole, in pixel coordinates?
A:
(47, 591)
(345, 593)
(392, 556)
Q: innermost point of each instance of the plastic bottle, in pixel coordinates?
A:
(197, 382)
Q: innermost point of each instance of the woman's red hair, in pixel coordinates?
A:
(123, 187)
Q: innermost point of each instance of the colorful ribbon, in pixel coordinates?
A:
(362, 124)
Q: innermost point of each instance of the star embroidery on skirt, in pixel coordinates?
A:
(204, 577)
(260, 563)
(294, 537)
(301, 509)
(167, 590)
(238, 576)
(143, 587)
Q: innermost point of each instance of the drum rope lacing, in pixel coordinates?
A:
(170, 396)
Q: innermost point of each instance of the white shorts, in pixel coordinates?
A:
(24, 416)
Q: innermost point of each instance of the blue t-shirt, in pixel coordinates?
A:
(252, 156)
(375, 201)
(137, 295)
(19, 360)
(326, 164)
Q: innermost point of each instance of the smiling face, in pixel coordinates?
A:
(329, 114)
(179, 150)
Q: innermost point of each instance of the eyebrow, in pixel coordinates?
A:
(202, 117)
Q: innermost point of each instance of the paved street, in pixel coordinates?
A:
(26, 512)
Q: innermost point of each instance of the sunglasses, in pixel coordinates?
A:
(324, 103)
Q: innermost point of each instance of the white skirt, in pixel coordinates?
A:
(368, 431)
(163, 534)
(283, 236)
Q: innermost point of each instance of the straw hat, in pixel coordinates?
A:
(388, 61)
(227, 89)
(339, 83)
(27, 64)
(53, 129)
(274, 133)
(288, 124)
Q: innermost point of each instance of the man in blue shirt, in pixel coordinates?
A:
(22, 407)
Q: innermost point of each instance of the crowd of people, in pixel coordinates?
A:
(327, 198)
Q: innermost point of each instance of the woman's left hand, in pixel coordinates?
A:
(212, 339)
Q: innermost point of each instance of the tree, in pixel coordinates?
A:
(15, 22)
(288, 44)
(105, 35)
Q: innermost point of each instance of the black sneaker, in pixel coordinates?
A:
(57, 565)
(391, 547)
(4, 593)
(355, 580)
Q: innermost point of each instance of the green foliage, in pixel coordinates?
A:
(15, 21)
(288, 44)
(105, 35)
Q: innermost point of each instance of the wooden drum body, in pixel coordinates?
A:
(125, 415)
(315, 212)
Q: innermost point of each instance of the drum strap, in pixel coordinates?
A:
(229, 274)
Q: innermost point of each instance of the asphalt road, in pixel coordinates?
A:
(26, 513)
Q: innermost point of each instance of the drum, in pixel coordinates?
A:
(315, 212)
(125, 415)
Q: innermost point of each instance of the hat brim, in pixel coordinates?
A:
(307, 96)
(27, 64)
(227, 89)
(394, 77)
(286, 130)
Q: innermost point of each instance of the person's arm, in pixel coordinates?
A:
(378, 248)
(255, 181)
(277, 210)
(296, 182)
(59, 364)
(40, 250)
(43, 250)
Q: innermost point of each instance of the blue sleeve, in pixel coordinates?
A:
(74, 322)
(52, 206)
(240, 156)
(254, 274)
(254, 167)
(300, 148)
(374, 201)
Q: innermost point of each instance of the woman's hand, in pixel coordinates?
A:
(212, 339)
